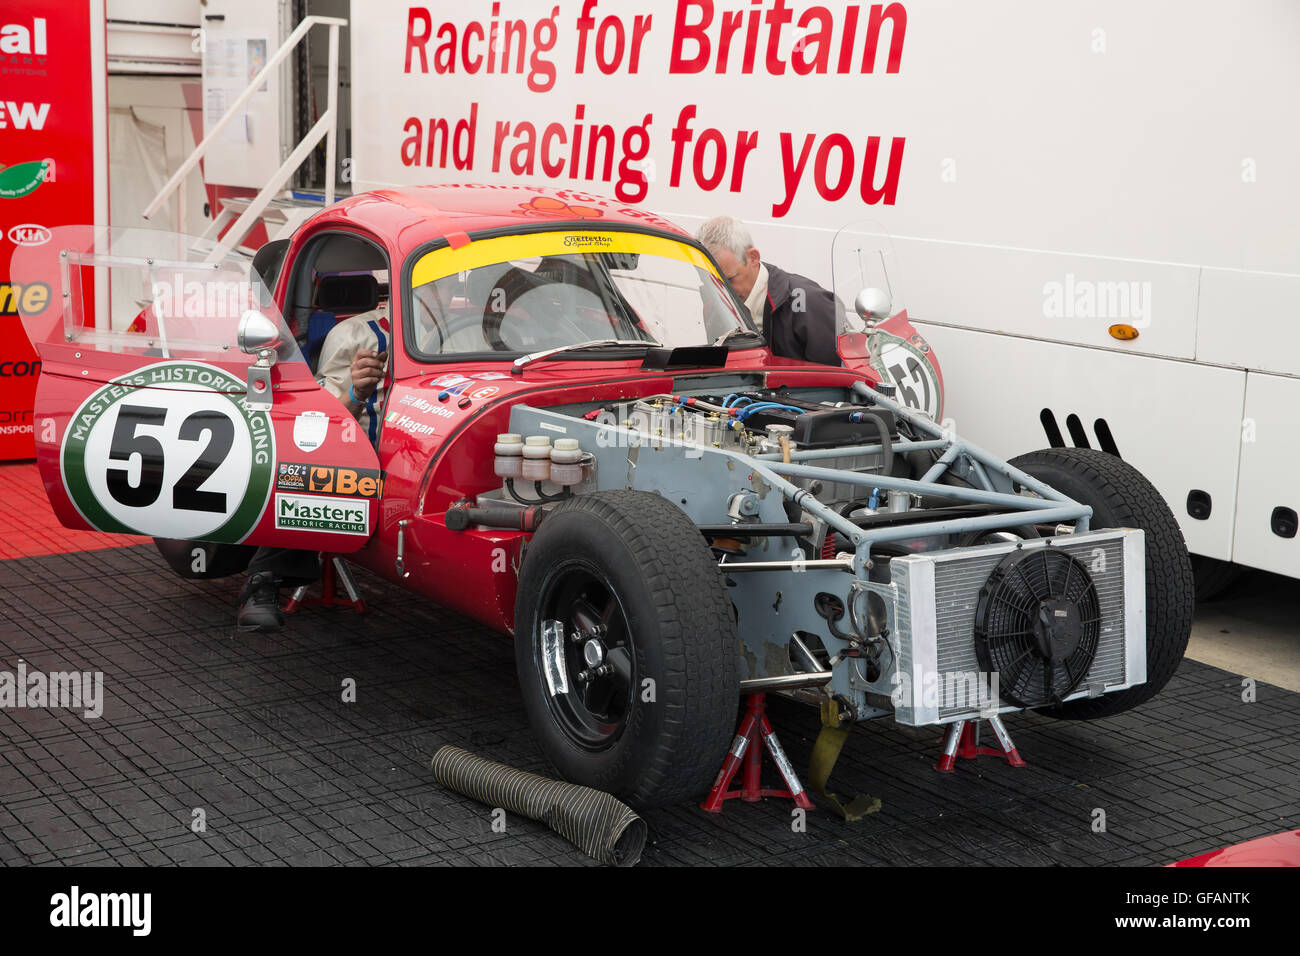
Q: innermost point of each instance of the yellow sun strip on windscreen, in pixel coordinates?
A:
(486, 252)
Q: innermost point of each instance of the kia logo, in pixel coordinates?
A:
(29, 234)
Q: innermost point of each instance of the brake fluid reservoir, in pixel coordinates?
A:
(566, 458)
(509, 460)
(537, 458)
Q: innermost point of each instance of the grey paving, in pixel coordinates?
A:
(253, 732)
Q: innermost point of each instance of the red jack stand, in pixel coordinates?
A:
(334, 571)
(755, 731)
(963, 740)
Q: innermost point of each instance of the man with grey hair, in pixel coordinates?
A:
(796, 316)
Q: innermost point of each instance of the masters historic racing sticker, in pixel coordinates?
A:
(314, 513)
(187, 460)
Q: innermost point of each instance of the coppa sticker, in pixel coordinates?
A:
(189, 461)
(291, 476)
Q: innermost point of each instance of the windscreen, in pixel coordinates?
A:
(142, 293)
(526, 293)
(863, 257)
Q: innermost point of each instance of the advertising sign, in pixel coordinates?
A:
(768, 112)
(1059, 128)
(52, 168)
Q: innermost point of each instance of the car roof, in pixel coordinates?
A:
(410, 216)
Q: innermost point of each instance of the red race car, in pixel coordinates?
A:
(1280, 849)
(585, 444)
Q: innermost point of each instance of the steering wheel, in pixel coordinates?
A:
(445, 329)
(508, 289)
(518, 284)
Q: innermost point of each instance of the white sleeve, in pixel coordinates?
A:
(334, 370)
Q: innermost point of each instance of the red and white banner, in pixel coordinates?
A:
(776, 112)
(52, 168)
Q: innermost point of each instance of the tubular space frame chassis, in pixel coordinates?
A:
(995, 482)
(994, 477)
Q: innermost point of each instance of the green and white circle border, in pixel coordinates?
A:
(878, 342)
(209, 378)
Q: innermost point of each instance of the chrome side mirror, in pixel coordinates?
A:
(873, 306)
(260, 336)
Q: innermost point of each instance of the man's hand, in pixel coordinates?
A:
(367, 372)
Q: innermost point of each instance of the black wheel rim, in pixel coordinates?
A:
(583, 650)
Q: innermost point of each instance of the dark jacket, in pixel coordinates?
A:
(799, 319)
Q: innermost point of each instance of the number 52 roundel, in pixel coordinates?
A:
(172, 450)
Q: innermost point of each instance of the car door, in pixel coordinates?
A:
(174, 402)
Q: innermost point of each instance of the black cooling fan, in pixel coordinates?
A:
(1037, 625)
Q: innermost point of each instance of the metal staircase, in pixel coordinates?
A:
(280, 209)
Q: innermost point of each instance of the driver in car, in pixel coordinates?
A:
(353, 365)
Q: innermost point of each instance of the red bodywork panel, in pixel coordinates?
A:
(903, 357)
(1280, 849)
(270, 456)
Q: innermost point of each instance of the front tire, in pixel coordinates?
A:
(626, 648)
(1121, 497)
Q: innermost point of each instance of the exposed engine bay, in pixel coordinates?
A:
(872, 559)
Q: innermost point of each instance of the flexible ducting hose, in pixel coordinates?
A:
(591, 820)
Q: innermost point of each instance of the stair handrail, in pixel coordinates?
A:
(326, 126)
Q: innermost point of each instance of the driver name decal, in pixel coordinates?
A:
(408, 424)
(423, 405)
(188, 461)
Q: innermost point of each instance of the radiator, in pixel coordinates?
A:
(936, 595)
